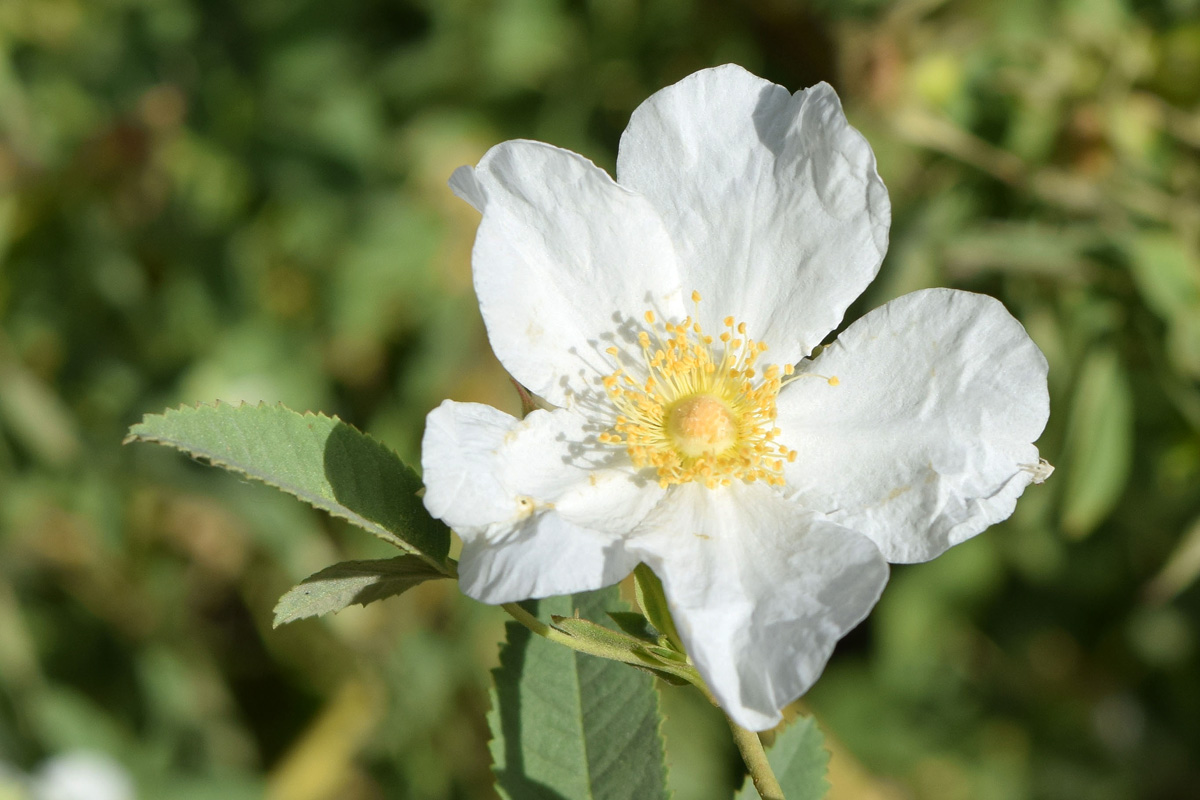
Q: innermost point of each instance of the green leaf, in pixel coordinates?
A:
(1099, 443)
(799, 760)
(636, 626)
(1165, 272)
(1166, 269)
(319, 459)
(653, 600)
(661, 659)
(349, 582)
(568, 726)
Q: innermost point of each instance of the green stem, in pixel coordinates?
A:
(750, 746)
(529, 621)
(553, 634)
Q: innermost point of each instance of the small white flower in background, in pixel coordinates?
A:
(667, 318)
(82, 775)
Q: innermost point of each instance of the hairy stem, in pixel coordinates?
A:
(637, 656)
(553, 634)
(529, 620)
(750, 746)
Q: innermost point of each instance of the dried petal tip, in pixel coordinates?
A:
(1040, 471)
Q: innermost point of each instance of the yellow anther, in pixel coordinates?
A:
(702, 414)
(695, 296)
(833, 380)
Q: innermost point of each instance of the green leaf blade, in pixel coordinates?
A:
(352, 582)
(318, 459)
(1100, 440)
(653, 600)
(799, 760)
(567, 725)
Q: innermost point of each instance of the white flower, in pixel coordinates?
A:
(83, 775)
(768, 499)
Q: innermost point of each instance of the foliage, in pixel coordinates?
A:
(350, 583)
(246, 202)
(319, 459)
(568, 725)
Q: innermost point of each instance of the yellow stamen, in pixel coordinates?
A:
(700, 413)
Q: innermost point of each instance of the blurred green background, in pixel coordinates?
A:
(247, 201)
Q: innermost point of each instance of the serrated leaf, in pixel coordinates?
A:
(799, 760)
(350, 582)
(569, 726)
(1099, 443)
(319, 459)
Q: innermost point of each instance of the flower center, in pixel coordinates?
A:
(698, 410)
(701, 424)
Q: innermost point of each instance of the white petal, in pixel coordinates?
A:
(563, 258)
(772, 200)
(540, 508)
(458, 455)
(760, 591)
(927, 436)
(542, 556)
(464, 184)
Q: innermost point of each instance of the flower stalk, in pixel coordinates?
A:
(750, 746)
